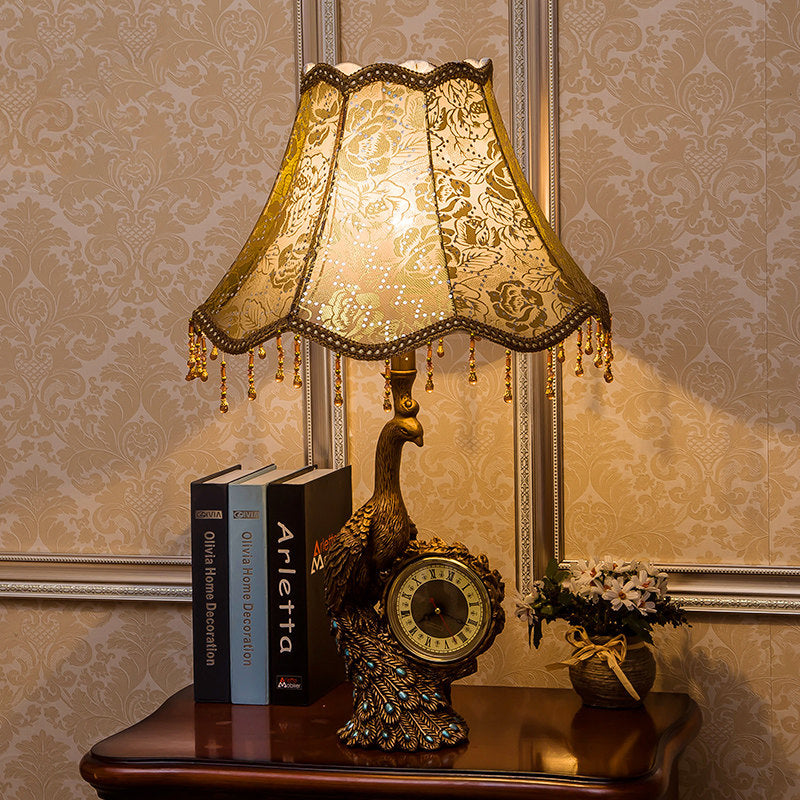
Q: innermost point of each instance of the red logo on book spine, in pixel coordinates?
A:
(316, 560)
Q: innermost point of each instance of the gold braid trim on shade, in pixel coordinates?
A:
(360, 352)
(400, 214)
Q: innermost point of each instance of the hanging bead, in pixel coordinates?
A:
(608, 357)
(579, 355)
(550, 389)
(214, 353)
(297, 382)
(387, 386)
(508, 397)
(191, 363)
(589, 349)
(561, 355)
(473, 375)
(223, 387)
(279, 345)
(262, 353)
(338, 400)
(440, 348)
(598, 355)
(251, 381)
(203, 373)
(429, 366)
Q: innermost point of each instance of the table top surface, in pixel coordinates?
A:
(513, 732)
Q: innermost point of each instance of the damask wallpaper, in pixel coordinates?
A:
(666, 192)
(137, 145)
(679, 185)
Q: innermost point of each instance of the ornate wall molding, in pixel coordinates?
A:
(532, 38)
(540, 533)
(95, 577)
(317, 39)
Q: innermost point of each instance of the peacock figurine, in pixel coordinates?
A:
(398, 702)
(378, 532)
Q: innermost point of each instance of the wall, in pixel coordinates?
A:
(679, 184)
(134, 160)
(137, 144)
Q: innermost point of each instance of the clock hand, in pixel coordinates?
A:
(438, 612)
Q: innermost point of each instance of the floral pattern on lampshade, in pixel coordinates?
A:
(400, 214)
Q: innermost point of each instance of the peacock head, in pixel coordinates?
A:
(408, 429)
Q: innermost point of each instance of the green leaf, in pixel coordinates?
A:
(551, 571)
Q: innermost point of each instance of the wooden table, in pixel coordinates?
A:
(524, 743)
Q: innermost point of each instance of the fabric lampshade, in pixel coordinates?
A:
(400, 214)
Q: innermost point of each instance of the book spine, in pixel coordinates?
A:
(248, 594)
(328, 505)
(209, 545)
(288, 641)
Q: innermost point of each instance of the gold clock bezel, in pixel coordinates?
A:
(468, 648)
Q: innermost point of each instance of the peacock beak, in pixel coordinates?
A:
(418, 439)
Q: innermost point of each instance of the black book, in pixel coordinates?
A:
(303, 515)
(210, 586)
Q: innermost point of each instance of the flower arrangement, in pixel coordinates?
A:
(605, 598)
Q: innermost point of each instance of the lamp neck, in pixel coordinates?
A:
(402, 428)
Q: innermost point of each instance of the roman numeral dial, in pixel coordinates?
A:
(439, 609)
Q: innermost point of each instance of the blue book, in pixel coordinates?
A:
(247, 547)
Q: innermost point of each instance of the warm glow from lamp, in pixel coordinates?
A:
(400, 214)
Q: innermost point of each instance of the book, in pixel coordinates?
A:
(209, 548)
(303, 516)
(247, 551)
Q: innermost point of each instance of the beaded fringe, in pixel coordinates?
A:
(591, 339)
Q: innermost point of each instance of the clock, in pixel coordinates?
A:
(443, 605)
(438, 609)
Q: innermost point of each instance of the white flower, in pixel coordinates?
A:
(598, 586)
(614, 566)
(524, 612)
(645, 606)
(524, 608)
(584, 572)
(619, 594)
(569, 585)
(645, 581)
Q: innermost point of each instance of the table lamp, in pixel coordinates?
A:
(400, 214)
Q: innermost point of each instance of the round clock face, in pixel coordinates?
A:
(438, 609)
